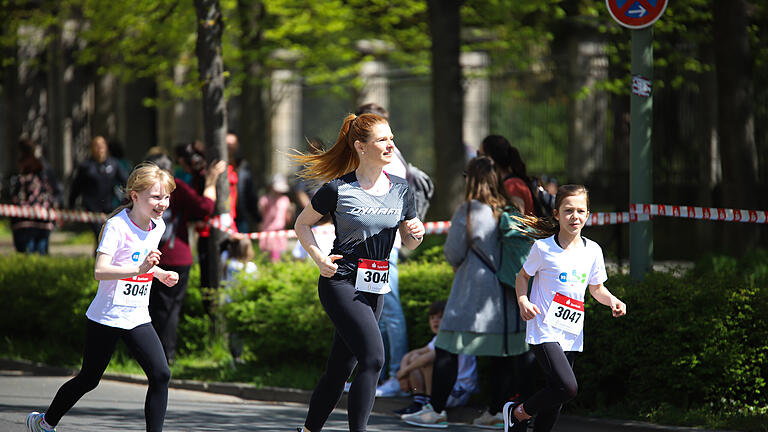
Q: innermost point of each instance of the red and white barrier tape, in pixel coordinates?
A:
(43, 213)
(705, 213)
(637, 212)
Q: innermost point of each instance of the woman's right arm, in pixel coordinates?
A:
(528, 310)
(303, 227)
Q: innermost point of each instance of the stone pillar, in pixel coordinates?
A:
(285, 122)
(588, 109)
(375, 83)
(477, 97)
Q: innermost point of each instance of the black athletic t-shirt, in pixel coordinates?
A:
(366, 224)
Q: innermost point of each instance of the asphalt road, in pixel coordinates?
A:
(116, 405)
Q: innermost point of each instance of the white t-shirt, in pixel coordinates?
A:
(566, 272)
(466, 375)
(128, 245)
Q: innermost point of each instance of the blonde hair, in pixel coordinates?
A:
(143, 177)
(545, 227)
(241, 250)
(342, 157)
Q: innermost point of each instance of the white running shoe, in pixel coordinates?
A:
(427, 418)
(489, 421)
(34, 423)
(390, 388)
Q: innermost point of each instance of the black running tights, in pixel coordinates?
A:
(100, 343)
(561, 385)
(357, 340)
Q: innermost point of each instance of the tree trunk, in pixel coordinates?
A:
(253, 110)
(735, 117)
(11, 118)
(447, 106)
(211, 69)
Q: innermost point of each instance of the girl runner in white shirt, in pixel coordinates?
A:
(126, 262)
(564, 264)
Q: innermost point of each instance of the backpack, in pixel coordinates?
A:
(543, 201)
(421, 187)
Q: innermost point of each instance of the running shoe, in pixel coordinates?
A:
(35, 423)
(489, 421)
(410, 409)
(511, 423)
(428, 418)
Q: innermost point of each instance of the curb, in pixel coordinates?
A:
(383, 406)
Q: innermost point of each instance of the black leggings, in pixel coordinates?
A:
(509, 376)
(561, 385)
(357, 340)
(100, 343)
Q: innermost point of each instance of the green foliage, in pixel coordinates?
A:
(48, 299)
(693, 348)
(690, 341)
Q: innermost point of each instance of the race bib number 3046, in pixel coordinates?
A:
(372, 276)
(133, 291)
(566, 314)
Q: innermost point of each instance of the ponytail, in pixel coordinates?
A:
(342, 157)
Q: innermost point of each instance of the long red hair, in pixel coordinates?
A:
(342, 157)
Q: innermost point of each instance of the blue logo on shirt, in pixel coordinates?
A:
(135, 257)
(563, 277)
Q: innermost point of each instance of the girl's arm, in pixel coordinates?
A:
(105, 270)
(602, 295)
(528, 310)
(412, 233)
(303, 228)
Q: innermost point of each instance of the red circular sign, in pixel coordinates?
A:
(636, 14)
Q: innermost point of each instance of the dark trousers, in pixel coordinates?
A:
(31, 240)
(165, 309)
(100, 343)
(561, 385)
(356, 341)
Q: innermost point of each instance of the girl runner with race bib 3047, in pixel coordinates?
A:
(564, 264)
(368, 207)
(126, 262)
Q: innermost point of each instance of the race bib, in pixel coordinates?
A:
(133, 291)
(372, 276)
(566, 314)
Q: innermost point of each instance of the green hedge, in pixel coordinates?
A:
(691, 339)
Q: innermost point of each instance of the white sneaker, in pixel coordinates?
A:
(427, 418)
(34, 423)
(489, 421)
(389, 388)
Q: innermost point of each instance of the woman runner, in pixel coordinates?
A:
(367, 206)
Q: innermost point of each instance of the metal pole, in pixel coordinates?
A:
(641, 154)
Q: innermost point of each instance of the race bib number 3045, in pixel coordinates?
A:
(133, 291)
(372, 276)
(566, 314)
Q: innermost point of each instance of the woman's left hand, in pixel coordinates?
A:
(169, 278)
(618, 308)
(415, 228)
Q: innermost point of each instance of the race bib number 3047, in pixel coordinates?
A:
(566, 314)
(372, 276)
(133, 291)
